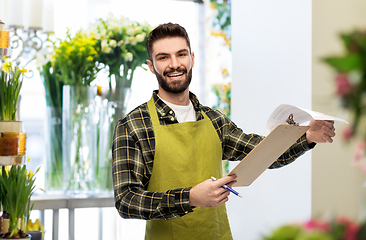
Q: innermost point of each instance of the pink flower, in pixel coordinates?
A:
(361, 145)
(343, 85)
(317, 225)
(351, 228)
(347, 133)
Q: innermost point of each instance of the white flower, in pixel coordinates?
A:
(44, 56)
(105, 47)
(120, 43)
(138, 29)
(113, 43)
(128, 56)
(132, 40)
(103, 31)
(140, 37)
(130, 31)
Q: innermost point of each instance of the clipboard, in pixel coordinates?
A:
(266, 152)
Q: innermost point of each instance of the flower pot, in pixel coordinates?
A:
(12, 139)
(4, 223)
(11, 126)
(35, 235)
(27, 237)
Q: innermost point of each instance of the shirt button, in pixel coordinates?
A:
(172, 119)
(170, 112)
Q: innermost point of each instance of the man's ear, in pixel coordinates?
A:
(192, 56)
(150, 64)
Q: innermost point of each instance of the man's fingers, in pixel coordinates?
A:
(225, 180)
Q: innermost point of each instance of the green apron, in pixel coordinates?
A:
(186, 154)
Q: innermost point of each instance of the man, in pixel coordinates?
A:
(166, 150)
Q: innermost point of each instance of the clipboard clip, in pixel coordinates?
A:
(290, 120)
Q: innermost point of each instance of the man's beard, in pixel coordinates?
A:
(175, 86)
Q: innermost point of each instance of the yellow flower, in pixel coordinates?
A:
(30, 174)
(22, 70)
(225, 73)
(90, 58)
(36, 226)
(7, 66)
(7, 169)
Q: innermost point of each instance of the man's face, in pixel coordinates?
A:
(172, 64)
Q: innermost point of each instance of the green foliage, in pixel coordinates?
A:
(17, 187)
(286, 232)
(11, 80)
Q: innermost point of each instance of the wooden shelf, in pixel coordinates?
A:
(12, 160)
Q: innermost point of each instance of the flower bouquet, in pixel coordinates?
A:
(16, 189)
(77, 67)
(350, 82)
(122, 48)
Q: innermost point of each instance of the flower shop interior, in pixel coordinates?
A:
(251, 57)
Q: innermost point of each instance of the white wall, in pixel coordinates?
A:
(271, 65)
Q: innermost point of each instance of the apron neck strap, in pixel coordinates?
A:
(153, 112)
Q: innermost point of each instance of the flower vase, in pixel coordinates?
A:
(79, 123)
(53, 136)
(111, 111)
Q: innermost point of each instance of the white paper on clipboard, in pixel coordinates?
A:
(266, 152)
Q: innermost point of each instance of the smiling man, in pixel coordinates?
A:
(166, 150)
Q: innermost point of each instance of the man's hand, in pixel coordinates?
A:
(320, 131)
(210, 193)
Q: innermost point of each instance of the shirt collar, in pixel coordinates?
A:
(165, 111)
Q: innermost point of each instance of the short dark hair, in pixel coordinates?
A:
(166, 30)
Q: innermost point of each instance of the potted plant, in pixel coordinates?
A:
(16, 188)
(11, 80)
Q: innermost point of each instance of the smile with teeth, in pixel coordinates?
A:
(175, 75)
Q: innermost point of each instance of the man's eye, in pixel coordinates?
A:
(162, 58)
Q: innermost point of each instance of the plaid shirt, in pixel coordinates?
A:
(133, 156)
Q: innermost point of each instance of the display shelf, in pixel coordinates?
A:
(12, 160)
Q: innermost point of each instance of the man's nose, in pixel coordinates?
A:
(174, 63)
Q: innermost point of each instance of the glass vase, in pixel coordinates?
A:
(110, 112)
(53, 136)
(79, 122)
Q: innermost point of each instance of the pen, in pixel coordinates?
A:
(228, 188)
